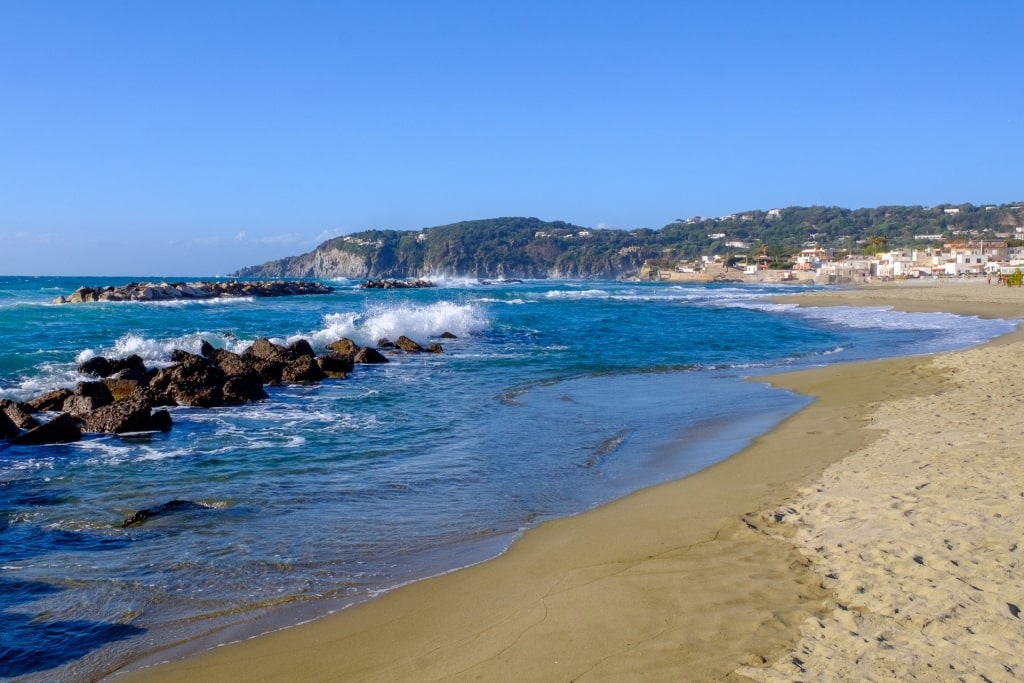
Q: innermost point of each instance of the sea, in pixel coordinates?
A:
(553, 397)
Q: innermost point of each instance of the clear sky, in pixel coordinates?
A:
(196, 137)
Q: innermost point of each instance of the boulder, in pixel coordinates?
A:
(132, 366)
(160, 421)
(20, 414)
(435, 348)
(266, 350)
(304, 369)
(49, 402)
(336, 365)
(385, 343)
(97, 367)
(193, 381)
(448, 335)
(61, 429)
(120, 389)
(229, 363)
(368, 356)
(300, 349)
(8, 430)
(131, 415)
(344, 347)
(270, 371)
(88, 396)
(408, 345)
(243, 388)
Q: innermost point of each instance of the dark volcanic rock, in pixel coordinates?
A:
(165, 509)
(344, 347)
(448, 335)
(51, 401)
(8, 430)
(304, 369)
(131, 415)
(132, 366)
(336, 365)
(241, 388)
(300, 349)
(61, 429)
(88, 396)
(160, 421)
(368, 356)
(229, 363)
(408, 345)
(193, 381)
(385, 343)
(266, 350)
(97, 367)
(20, 414)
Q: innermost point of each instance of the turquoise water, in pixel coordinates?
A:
(555, 397)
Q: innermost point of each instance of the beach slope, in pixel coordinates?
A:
(872, 528)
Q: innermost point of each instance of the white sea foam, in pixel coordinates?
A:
(576, 295)
(420, 323)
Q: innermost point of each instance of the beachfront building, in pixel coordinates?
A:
(965, 264)
(811, 259)
(850, 269)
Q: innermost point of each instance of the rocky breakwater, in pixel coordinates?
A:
(123, 395)
(397, 284)
(163, 291)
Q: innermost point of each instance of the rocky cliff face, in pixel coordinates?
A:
(323, 262)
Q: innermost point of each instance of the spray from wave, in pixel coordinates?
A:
(420, 323)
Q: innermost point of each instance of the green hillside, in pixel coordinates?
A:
(531, 248)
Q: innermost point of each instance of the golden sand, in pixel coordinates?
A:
(872, 536)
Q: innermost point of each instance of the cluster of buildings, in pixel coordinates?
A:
(953, 259)
(967, 258)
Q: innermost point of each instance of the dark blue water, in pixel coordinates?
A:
(555, 397)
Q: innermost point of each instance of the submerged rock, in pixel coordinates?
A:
(165, 509)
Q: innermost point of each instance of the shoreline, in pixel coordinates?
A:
(683, 579)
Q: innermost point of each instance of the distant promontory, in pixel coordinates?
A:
(531, 248)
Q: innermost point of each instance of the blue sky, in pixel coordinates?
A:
(193, 138)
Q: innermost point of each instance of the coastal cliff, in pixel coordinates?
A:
(494, 248)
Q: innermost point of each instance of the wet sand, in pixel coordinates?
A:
(867, 537)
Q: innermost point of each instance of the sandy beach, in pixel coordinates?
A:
(872, 536)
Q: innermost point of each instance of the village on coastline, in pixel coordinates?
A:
(996, 260)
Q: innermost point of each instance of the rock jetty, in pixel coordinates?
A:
(123, 395)
(163, 291)
(397, 284)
